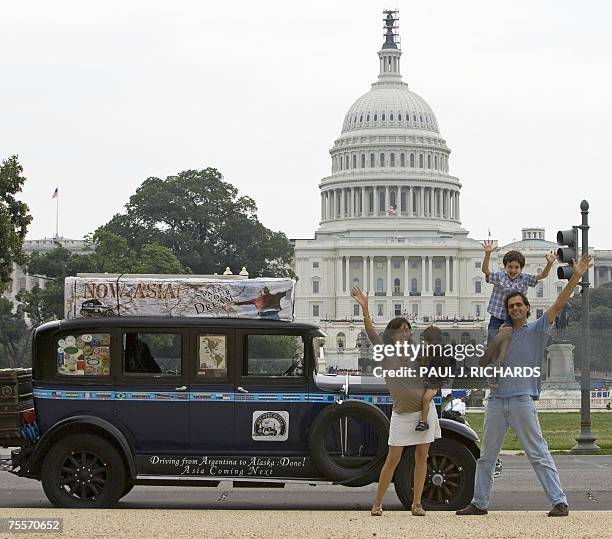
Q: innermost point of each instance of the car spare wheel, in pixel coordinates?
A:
(83, 471)
(349, 440)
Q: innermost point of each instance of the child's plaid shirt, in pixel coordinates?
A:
(503, 286)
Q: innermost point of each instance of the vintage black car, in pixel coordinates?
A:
(95, 307)
(126, 401)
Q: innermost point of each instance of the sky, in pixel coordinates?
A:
(98, 96)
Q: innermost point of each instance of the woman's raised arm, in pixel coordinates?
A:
(362, 298)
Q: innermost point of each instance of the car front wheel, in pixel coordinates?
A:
(83, 471)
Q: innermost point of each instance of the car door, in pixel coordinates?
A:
(152, 397)
(211, 390)
(271, 392)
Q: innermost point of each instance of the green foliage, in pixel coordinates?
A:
(600, 302)
(201, 219)
(14, 218)
(15, 336)
(109, 253)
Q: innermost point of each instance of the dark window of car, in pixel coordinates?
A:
(84, 354)
(152, 353)
(212, 356)
(274, 355)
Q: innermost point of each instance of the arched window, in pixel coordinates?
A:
(363, 160)
(392, 159)
(341, 340)
(391, 117)
(414, 118)
(361, 118)
(340, 159)
(421, 118)
(540, 290)
(403, 159)
(396, 285)
(375, 116)
(383, 117)
(413, 285)
(382, 159)
(346, 161)
(372, 160)
(420, 160)
(436, 162)
(354, 161)
(380, 285)
(399, 117)
(368, 117)
(428, 160)
(412, 160)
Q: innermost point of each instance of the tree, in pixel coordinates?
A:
(14, 219)
(110, 253)
(600, 303)
(15, 336)
(204, 222)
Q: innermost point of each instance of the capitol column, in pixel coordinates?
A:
(364, 282)
(409, 201)
(422, 201)
(362, 203)
(347, 270)
(430, 268)
(389, 288)
(371, 286)
(458, 207)
(447, 276)
(342, 208)
(456, 276)
(423, 287)
(387, 200)
(339, 287)
(406, 287)
(322, 207)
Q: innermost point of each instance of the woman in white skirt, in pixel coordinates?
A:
(406, 393)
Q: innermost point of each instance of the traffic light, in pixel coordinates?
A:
(568, 239)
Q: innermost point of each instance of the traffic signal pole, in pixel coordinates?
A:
(585, 440)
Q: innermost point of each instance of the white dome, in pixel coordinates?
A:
(390, 106)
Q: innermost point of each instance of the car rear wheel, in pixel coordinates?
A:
(83, 471)
(449, 484)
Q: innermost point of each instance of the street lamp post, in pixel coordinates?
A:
(585, 440)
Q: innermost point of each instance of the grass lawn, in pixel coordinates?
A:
(559, 428)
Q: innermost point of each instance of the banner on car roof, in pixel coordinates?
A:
(263, 298)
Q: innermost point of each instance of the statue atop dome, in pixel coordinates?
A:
(391, 36)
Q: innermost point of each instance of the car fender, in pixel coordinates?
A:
(462, 432)
(31, 468)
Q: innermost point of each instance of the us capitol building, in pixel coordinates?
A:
(390, 223)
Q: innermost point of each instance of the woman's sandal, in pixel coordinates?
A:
(421, 426)
(376, 510)
(417, 510)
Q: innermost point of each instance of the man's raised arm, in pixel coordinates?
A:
(580, 269)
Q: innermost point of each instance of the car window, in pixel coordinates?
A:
(152, 353)
(84, 354)
(274, 355)
(212, 356)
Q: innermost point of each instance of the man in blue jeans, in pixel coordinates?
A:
(511, 403)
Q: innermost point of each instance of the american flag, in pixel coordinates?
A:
(55, 193)
(390, 210)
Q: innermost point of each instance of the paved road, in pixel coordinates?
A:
(587, 480)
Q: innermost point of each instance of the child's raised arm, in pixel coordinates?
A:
(488, 246)
(362, 298)
(550, 260)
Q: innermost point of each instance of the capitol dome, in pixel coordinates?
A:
(389, 166)
(395, 107)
